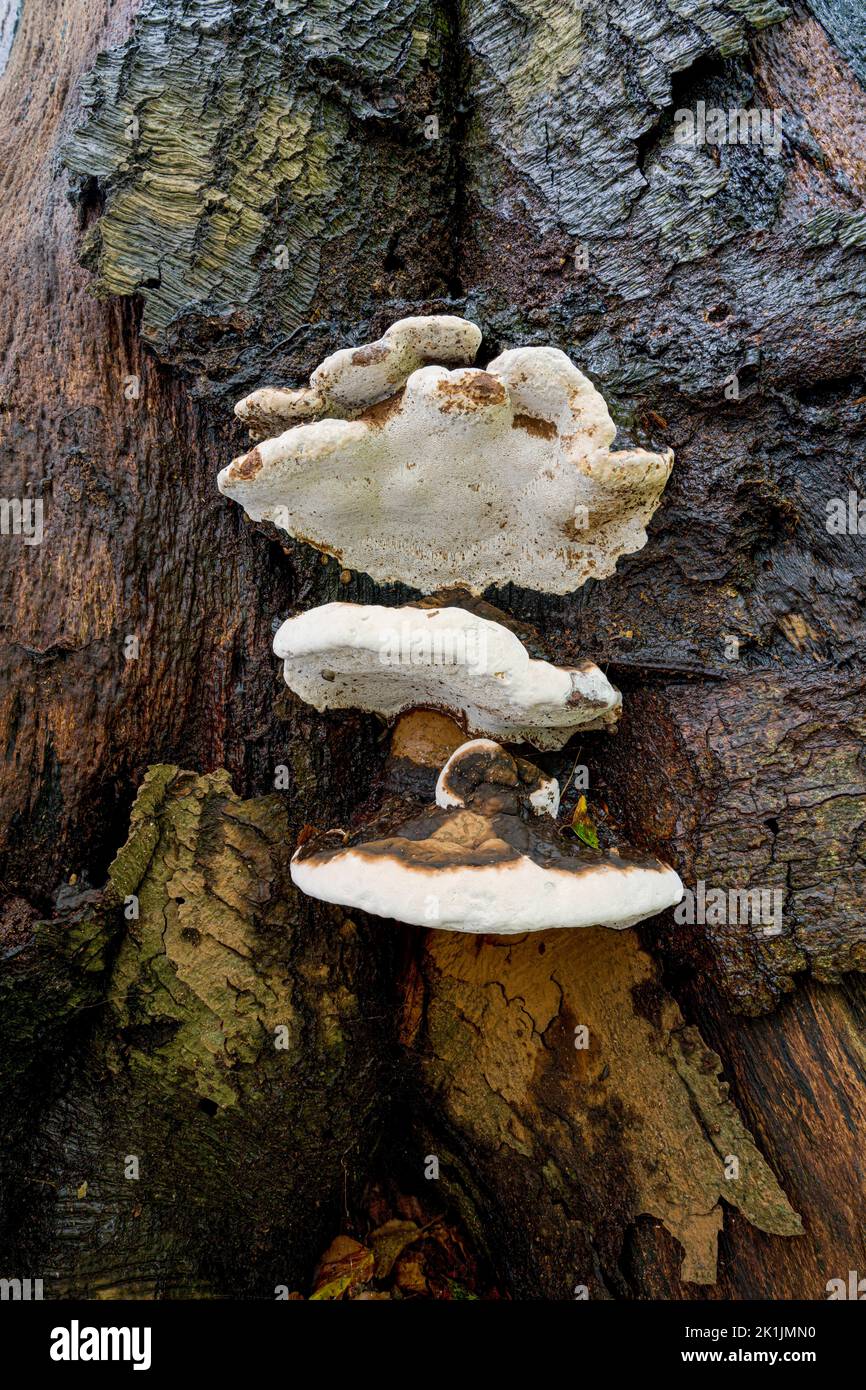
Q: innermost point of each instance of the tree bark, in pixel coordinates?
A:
(251, 187)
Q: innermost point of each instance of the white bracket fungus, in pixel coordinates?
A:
(483, 859)
(351, 380)
(465, 477)
(389, 660)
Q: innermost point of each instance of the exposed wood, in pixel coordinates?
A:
(582, 1132)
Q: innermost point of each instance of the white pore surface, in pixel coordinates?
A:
(387, 660)
(464, 483)
(545, 798)
(507, 898)
(354, 378)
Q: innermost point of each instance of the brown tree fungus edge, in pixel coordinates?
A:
(689, 259)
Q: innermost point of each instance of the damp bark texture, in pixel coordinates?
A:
(206, 197)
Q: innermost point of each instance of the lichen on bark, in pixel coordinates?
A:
(236, 1050)
(241, 146)
(566, 92)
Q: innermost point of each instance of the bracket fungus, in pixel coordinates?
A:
(389, 660)
(431, 476)
(351, 380)
(486, 857)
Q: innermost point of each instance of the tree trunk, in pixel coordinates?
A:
(253, 186)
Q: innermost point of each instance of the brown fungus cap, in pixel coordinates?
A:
(485, 858)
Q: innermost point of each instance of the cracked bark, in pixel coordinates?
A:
(555, 133)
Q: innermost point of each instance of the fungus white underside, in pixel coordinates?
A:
(467, 477)
(504, 899)
(389, 660)
(477, 863)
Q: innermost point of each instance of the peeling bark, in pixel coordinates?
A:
(249, 157)
(581, 1134)
(213, 1033)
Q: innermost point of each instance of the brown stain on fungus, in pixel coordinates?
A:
(493, 823)
(574, 532)
(248, 465)
(471, 391)
(371, 354)
(379, 414)
(540, 429)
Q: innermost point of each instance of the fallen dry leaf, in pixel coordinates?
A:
(410, 1277)
(345, 1263)
(389, 1242)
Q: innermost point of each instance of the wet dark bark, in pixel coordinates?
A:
(314, 208)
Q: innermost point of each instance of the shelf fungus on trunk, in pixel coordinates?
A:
(487, 857)
(430, 476)
(389, 660)
(351, 380)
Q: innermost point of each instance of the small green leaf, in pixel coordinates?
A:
(459, 1291)
(581, 824)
